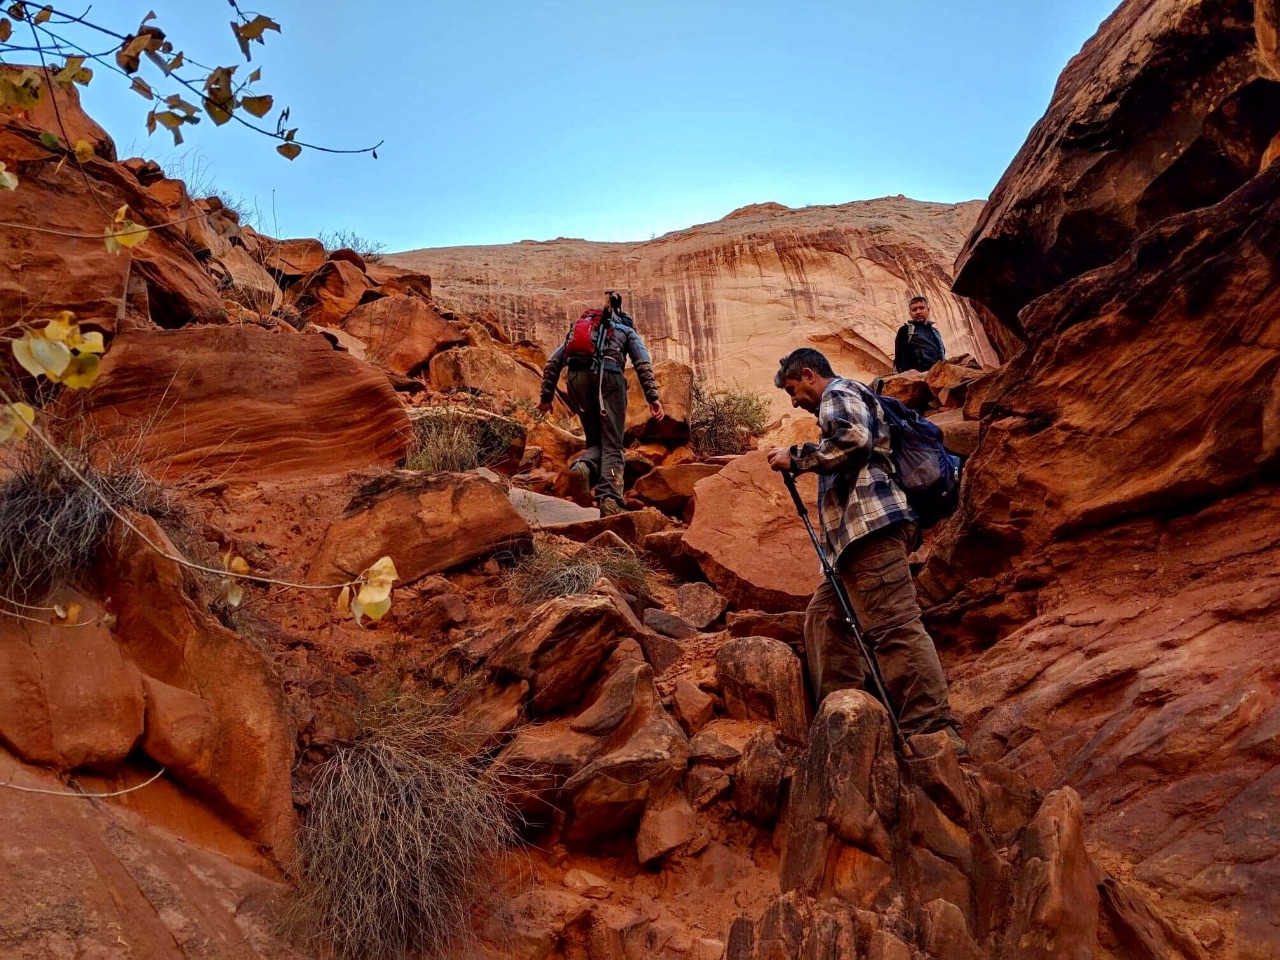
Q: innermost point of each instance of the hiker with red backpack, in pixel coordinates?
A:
(882, 473)
(596, 350)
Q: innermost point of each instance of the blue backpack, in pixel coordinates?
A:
(928, 474)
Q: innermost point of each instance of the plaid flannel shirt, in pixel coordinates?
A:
(856, 490)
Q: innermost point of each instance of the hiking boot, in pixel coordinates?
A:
(957, 743)
(580, 483)
(610, 507)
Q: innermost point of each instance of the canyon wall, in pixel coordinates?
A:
(732, 297)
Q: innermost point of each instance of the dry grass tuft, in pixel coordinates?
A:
(726, 421)
(371, 251)
(546, 573)
(453, 440)
(396, 852)
(52, 525)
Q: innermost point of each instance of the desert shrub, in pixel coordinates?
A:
(545, 572)
(398, 844)
(725, 421)
(52, 525)
(453, 439)
(370, 250)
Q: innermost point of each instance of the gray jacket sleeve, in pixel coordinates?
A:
(551, 374)
(644, 366)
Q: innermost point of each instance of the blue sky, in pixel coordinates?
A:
(506, 121)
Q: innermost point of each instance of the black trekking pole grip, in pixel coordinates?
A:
(789, 478)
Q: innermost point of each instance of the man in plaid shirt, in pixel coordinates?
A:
(869, 531)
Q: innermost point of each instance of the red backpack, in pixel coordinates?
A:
(585, 335)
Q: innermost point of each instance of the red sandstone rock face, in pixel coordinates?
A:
(241, 401)
(1108, 588)
(1170, 107)
(732, 297)
(162, 283)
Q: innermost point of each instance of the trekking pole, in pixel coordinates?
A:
(850, 618)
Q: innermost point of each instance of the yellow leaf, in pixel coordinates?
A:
(15, 418)
(109, 239)
(175, 63)
(6, 30)
(376, 611)
(289, 150)
(253, 30)
(108, 620)
(73, 613)
(42, 357)
(82, 371)
(18, 10)
(357, 612)
(216, 113)
(44, 14)
(344, 602)
(84, 151)
(258, 106)
(383, 567)
(239, 565)
(143, 88)
(62, 327)
(233, 591)
(377, 580)
(8, 181)
(90, 342)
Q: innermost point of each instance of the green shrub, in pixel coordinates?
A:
(726, 421)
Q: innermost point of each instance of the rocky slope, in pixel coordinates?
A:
(1105, 599)
(732, 297)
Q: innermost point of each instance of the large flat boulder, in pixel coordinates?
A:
(426, 523)
(748, 540)
(242, 402)
(1168, 108)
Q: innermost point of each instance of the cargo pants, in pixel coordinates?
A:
(604, 432)
(877, 577)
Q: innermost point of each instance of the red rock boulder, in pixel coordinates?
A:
(244, 402)
(402, 332)
(748, 540)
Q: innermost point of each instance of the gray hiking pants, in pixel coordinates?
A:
(603, 432)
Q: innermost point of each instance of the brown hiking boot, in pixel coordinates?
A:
(957, 742)
(580, 483)
(610, 507)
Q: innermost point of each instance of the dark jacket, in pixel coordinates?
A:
(622, 342)
(918, 347)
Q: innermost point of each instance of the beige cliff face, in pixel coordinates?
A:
(732, 297)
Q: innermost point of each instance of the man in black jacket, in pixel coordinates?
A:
(598, 392)
(919, 345)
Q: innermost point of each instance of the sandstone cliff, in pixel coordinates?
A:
(732, 297)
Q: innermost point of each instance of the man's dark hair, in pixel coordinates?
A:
(615, 299)
(924, 300)
(790, 366)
